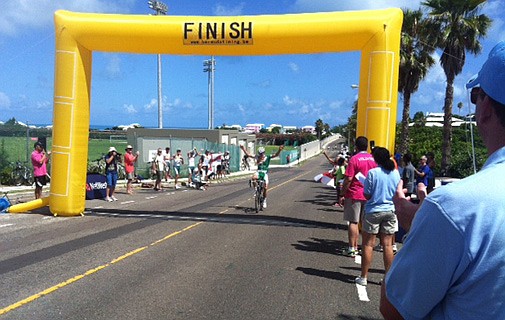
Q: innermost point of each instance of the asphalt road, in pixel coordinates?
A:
(188, 254)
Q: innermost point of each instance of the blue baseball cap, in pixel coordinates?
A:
(491, 78)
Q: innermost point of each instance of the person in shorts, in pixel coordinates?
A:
(39, 158)
(352, 197)
(129, 161)
(168, 163)
(111, 160)
(379, 188)
(158, 168)
(191, 165)
(178, 162)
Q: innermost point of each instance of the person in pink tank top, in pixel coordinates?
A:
(353, 198)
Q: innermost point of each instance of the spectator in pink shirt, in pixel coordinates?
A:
(129, 160)
(39, 160)
(353, 198)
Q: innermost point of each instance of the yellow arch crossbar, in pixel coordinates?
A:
(376, 34)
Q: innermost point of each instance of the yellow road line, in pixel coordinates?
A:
(120, 258)
(89, 272)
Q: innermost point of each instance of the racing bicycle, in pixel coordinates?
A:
(21, 175)
(259, 194)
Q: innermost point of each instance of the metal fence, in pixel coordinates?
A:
(149, 146)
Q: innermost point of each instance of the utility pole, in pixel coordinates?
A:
(161, 9)
(210, 67)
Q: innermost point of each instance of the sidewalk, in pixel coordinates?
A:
(25, 190)
(21, 194)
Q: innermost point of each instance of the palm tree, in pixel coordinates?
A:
(415, 61)
(455, 27)
(319, 128)
(419, 119)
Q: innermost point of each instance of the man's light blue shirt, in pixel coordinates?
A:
(452, 265)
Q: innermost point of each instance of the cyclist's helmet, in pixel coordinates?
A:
(261, 150)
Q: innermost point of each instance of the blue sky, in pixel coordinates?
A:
(288, 89)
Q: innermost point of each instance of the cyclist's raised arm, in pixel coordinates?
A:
(278, 151)
(246, 152)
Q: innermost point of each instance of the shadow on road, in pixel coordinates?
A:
(256, 219)
(320, 245)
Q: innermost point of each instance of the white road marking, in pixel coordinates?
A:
(99, 207)
(6, 225)
(126, 202)
(357, 259)
(362, 294)
(152, 197)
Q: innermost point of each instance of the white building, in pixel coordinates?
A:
(286, 129)
(310, 129)
(436, 119)
(273, 125)
(253, 127)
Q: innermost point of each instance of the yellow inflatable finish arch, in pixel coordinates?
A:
(375, 33)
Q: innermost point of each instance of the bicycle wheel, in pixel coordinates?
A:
(261, 197)
(257, 199)
(28, 177)
(17, 178)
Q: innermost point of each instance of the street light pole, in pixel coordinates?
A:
(353, 86)
(469, 117)
(210, 67)
(161, 9)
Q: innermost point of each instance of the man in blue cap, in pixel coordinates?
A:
(452, 264)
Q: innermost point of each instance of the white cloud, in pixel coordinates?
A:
(293, 66)
(262, 84)
(151, 105)
(334, 105)
(269, 106)
(325, 5)
(288, 101)
(220, 10)
(113, 68)
(44, 105)
(23, 14)
(5, 101)
(495, 10)
(129, 108)
(177, 102)
(436, 74)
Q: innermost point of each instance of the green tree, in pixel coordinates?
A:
(460, 106)
(429, 139)
(415, 61)
(4, 157)
(319, 128)
(419, 119)
(276, 130)
(455, 27)
(326, 128)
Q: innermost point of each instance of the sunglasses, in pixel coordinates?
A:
(475, 94)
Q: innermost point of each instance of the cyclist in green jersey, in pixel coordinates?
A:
(262, 162)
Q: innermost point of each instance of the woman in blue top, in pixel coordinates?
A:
(379, 188)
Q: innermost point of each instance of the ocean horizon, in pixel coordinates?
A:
(104, 127)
